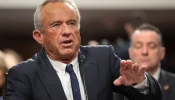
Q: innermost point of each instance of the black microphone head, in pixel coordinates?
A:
(82, 59)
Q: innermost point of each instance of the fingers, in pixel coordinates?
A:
(140, 69)
(143, 69)
(126, 64)
(123, 64)
(130, 73)
(129, 64)
(135, 67)
(118, 81)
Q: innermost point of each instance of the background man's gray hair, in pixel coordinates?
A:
(38, 17)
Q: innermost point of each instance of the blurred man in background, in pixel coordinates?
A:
(136, 19)
(11, 58)
(147, 49)
(93, 43)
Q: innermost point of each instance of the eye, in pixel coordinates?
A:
(137, 45)
(152, 45)
(56, 24)
(72, 24)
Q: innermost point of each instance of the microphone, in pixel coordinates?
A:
(82, 59)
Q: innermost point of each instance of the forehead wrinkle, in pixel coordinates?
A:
(60, 10)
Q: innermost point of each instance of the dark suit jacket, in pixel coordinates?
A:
(167, 82)
(36, 79)
(122, 51)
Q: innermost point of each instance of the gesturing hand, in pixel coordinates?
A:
(130, 73)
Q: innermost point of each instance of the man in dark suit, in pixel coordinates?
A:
(64, 70)
(167, 81)
(147, 48)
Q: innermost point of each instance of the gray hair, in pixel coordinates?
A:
(38, 17)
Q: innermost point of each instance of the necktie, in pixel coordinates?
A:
(74, 82)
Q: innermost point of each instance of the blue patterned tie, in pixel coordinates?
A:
(74, 82)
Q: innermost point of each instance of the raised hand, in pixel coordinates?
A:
(130, 73)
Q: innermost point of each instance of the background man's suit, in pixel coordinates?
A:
(167, 82)
(36, 79)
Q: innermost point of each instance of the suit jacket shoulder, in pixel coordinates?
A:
(167, 81)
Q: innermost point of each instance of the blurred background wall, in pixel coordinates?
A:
(101, 19)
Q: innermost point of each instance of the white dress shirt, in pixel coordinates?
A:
(157, 74)
(65, 78)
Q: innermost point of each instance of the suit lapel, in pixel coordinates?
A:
(90, 72)
(49, 78)
(90, 77)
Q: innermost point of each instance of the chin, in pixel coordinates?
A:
(68, 52)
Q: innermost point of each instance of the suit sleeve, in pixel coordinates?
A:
(155, 92)
(17, 86)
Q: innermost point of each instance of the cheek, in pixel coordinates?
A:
(50, 39)
(136, 53)
(77, 35)
(79, 38)
(155, 54)
(157, 57)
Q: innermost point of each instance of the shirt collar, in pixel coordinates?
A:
(60, 67)
(157, 74)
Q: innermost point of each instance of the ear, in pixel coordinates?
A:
(163, 50)
(38, 36)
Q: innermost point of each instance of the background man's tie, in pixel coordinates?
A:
(74, 82)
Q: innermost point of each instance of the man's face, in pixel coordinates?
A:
(146, 49)
(60, 37)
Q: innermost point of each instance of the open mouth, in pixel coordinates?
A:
(67, 43)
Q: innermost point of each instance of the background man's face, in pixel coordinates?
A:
(146, 48)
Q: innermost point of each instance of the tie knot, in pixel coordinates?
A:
(69, 68)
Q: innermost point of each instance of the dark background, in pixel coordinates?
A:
(16, 27)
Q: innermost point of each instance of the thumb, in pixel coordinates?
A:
(118, 81)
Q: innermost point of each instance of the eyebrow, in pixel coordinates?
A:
(136, 42)
(59, 21)
(72, 20)
(55, 21)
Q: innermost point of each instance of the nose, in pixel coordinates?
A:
(145, 51)
(66, 31)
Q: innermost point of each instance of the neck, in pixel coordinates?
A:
(64, 59)
(152, 71)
